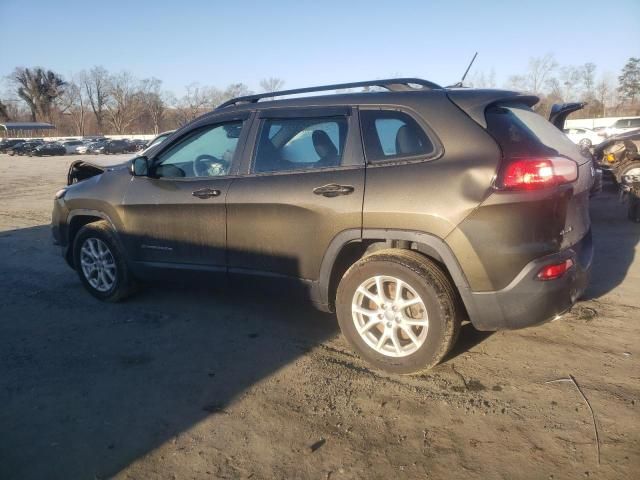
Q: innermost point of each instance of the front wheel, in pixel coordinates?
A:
(398, 310)
(100, 263)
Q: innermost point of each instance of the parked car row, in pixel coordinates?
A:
(38, 146)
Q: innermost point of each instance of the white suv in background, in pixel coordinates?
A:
(584, 137)
(623, 125)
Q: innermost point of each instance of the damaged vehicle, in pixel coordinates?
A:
(366, 204)
(619, 155)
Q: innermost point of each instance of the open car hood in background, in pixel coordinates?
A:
(560, 112)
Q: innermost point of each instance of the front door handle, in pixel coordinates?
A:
(204, 193)
(333, 190)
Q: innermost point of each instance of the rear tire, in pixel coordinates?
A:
(433, 316)
(101, 264)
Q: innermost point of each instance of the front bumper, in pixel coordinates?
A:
(527, 301)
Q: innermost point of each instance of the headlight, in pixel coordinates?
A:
(60, 193)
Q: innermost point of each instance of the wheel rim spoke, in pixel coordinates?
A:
(409, 333)
(381, 341)
(364, 311)
(380, 288)
(367, 326)
(410, 302)
(395, 340)
(399, 287)
(374, 298)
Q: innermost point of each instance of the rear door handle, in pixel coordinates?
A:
(204, 193)
(333, 190)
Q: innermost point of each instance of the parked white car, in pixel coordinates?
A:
(71, 146)
(623, 125)
(82, 148)
(584, 137)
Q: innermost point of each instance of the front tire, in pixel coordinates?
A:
(398, 310)
(100, 263)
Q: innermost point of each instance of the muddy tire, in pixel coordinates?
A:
(399, 311)
(100, 263)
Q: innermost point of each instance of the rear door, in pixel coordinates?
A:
(177, 214)
(303, 184)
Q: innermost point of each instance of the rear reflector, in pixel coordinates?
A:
(534, 173)
(555, 270)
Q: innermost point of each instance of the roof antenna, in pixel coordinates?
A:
(459, 84)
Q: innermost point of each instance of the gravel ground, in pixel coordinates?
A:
(185, 382)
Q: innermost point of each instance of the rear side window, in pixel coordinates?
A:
(391, 135)
(287, 144)
(634, 122)
(523, 133)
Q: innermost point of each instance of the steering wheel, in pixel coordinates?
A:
(203, 166)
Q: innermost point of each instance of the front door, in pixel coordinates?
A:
(177, 214)
(304, 184)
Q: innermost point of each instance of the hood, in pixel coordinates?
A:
(81, 170)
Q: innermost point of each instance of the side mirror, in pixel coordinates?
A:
(139, 167)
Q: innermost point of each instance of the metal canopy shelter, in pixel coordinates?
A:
(18, 127)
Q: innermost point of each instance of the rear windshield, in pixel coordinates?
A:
(523, 133)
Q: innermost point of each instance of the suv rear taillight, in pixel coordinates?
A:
(537, 172)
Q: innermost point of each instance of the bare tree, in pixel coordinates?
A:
(194, 102)
(603, 90)
(39, 88)
(153, 101)
(74, 103)
(537, 76)
(480, 80)
(95, 83)
(271, 84)
(567, 86)
(588, 74)
(124, 105)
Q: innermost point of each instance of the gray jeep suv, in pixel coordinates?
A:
(406, 211)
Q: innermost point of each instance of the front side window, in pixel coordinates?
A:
(287, 144)
(390, 135)
(207, 152)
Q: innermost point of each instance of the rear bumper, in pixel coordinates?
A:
(527, 301)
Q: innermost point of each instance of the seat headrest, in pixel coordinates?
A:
(323, 144)
(407, 142)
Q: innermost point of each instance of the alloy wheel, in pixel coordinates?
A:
(98, 264)
(390, 316)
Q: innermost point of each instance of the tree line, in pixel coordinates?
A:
(96, 101)
(605, 94)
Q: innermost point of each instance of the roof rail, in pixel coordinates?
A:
(391, 84)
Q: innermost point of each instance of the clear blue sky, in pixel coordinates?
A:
(308, 43)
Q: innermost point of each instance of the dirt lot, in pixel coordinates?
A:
(181, 382)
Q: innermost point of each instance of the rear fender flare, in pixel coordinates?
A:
(426, 243)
